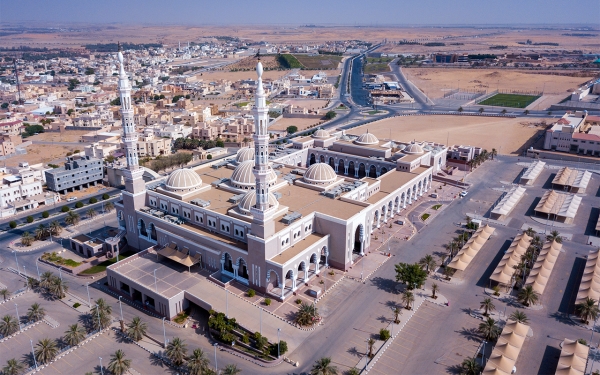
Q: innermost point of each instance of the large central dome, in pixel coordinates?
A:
(244, 154)
(183, 181)
(320, 174)
(243, 176)
(366, 139)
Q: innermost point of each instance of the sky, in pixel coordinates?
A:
(322, 12)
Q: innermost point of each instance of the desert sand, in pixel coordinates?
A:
(65, 136)
(301, 123)
(436, 81)
(42, 154)
(507, 135)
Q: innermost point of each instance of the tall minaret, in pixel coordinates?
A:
(134, 196)
(260, 212)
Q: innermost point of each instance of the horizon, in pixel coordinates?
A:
(379, 13)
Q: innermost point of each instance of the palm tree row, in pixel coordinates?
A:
(51, 284)
(428, 263)
(41, 233)
(479, 159)
(197, 363)
(99, 315)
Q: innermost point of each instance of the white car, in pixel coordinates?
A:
(463, 193)
(71, 199)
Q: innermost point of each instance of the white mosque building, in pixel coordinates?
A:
(270, 220)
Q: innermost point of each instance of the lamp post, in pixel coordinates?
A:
(38, 268)
(60, 273)
(278, 342)
(87, 286)
(16, 260)
(18, 317)
(226, 303)
(33, 355)
(216, 364)
(98, 313)
(101, 369)
(121, 307)
(261, 319)
(164, 333)
(24, 271)
(155, 287)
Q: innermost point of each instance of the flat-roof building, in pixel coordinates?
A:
(78, 172)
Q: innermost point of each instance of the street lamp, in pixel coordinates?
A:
(216, 364)
(278, 342)
(87, 286)
(155, 287)
(164, 333)
(33, 354)
(16, 260)
(98, 313)
(38, 268)
(101, 369)
(24, 271)
(121, 307)
(18, 317)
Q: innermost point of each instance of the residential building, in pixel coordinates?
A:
(77, 173)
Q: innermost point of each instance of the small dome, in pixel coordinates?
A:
(366, 139)
(244, 154)
(321, 134)
(320, 174)
(414, 148)
(183, 181)
(243, 176)
(249, 200)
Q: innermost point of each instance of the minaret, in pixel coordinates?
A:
(133, 195)
(262, 226)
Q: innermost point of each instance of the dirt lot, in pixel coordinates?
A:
(268, 62)
(452, 130)
(308, 103)
(436, 81)
(320, 61)
(66, 136)
(269, 74)
(42, 154)
(301, 123)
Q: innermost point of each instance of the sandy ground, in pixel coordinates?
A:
(268, 74)
(308, 103)
(301, 123)
(436, 81)
(66, 136)
(465, 130)
(84, 192)
(42, 154)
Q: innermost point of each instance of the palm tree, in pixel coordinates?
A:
(489, 329)
(353, 371)
(307, 315)
(32, 283)
(176, 351)
(136, 329)
(487, 305)
(323, 367)
(72, 218)
(118, 365)
(469, 366)
(26, 239)
(58, 287)
(519, 316)
(108, 206)
(8, 325)
(41, 232)
(586, 310)
(13, 367)
(397, 313)
(74, 335)
(530, 232)
(527, 296)
(494, 153)
(35, 313)
(370, 343)
(55, 228)
(46, 279)
(231, 370)
(91, 213)
(460, 109)
(427, 262)
(5, 293)
(434, 289)
(481, 110)
(554, 236)
(408, 298)
(45, 350)
(198, 362)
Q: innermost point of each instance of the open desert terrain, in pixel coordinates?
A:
(300, 123)
(459, 130)
(436, 81)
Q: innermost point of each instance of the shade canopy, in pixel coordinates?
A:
(471, 248)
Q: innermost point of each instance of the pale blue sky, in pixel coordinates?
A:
(281, 12)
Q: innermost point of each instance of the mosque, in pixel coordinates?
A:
(271, 219)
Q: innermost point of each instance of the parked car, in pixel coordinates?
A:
(314, 292)
(71, 199)
(464, 193)
(399, 222)
(433, 195)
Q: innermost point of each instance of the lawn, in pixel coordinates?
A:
(58, 260)
(509, 100)
(101, 267)
(319, 61)
(437, 207)
(374, 112)
(376, 68)
(425, 217)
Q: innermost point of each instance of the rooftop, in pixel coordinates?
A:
(296, 249)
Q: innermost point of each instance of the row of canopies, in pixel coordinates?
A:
(464, 257)
(541, 270)
(505, 270)
(508, 203)
(558, 206)
(504, 356)
(590, 281)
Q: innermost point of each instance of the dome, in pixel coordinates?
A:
(249, 200)
(321, 134)
(243, 176)
(414, 148)
(183, 181)
(366, 139)
(244, 154)
(320, 174)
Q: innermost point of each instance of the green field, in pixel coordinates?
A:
(510, 100)
(319, 61)
(101, 267)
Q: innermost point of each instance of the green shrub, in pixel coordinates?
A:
(267, 301)
(246, 339)
(251, 293)
(298, 301)
(283, 348)
(384, 334)
(76, 304)
(12, 224)
(78, 205)
(30, 219)
(93, 200)
(105, 196)
(209, 157)
(45, 214)
(65, 209)
(228, 337)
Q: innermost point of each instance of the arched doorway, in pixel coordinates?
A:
(272, 280)
(375, 220)
(372, 171)
(302, 268)
(351, 170)
(321, 159)
(289, 281)
(391, 209)
(332, 163)
(397, 202)
(227, 264)
(312, 160)
(153, 235)
(314, 260)
(384, 170)
(361, 170)
(143, 231)
(341, 167)
(359, 236)
(242, 269)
